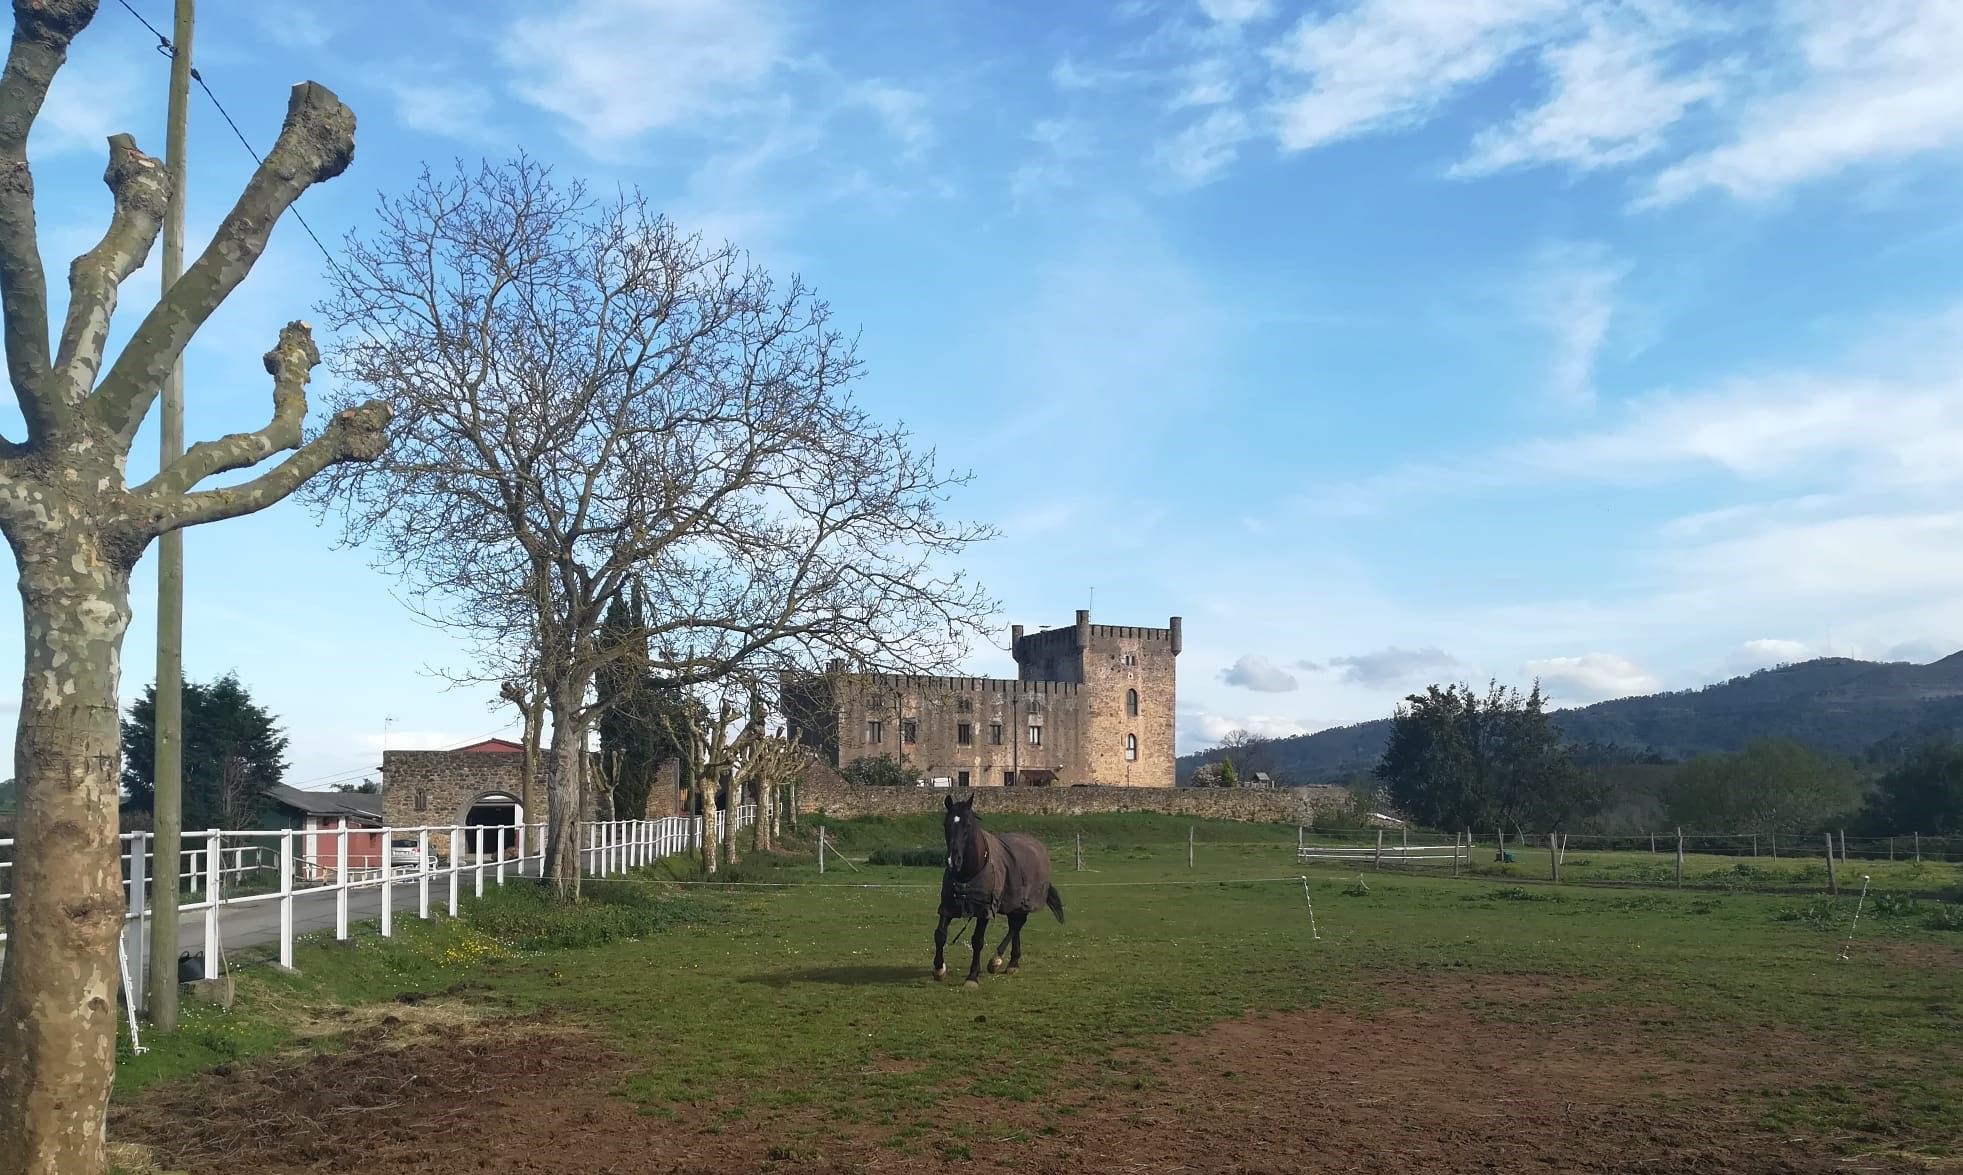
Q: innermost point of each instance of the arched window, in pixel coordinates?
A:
(1131, 747)
(1131, 703)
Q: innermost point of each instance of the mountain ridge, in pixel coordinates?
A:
(1840, 704)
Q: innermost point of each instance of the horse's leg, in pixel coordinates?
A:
(995, 964)
(1015, 943)
(974, 965)
(940, 949)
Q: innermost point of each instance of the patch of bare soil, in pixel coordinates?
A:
(1408, 1090)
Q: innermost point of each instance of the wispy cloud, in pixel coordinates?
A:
(1876, 81)
(1392, 666)
(1571, 293)
(1062, 146)
(456, 110)
(615, 70)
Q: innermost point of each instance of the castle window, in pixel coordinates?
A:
(964, 733)
(1035, 707)
(1035, 735)
(422, 799)
(1131, 747)
(1008, 779)
(909, 730)
(1131, 658)
(964, 706)
(961, 777)
(1131, 703)
(874, 728)
(995, 733)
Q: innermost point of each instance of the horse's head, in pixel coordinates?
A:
(963, 831)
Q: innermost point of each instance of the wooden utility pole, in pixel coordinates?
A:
(169, 772)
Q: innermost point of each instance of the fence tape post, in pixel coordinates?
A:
(1680, 858)
(286, 899)
(1189, 846)
(341, 882)
(1455, 853)
(1080, 852)
(1404, 841)
(388, 883)
(1378, 860)
(1833, 878)
(1554, 855)
(129, 996)
(1849, 944)
(422, 877)
(1313, 936)
(139, 903)
(214, 864)
(1918, 846)
(821, 848)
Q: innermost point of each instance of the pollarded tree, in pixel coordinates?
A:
(590, 400)
(77, 529)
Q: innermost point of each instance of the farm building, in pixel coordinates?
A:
(1091, 704)
(320, 814)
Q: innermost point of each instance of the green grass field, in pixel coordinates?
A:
(736, 1002)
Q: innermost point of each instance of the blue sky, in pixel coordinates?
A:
(1609, 341)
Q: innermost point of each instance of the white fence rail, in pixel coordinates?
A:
(1380, 854)
(248, 887)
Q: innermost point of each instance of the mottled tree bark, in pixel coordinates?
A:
(76, 530)
(564, 803)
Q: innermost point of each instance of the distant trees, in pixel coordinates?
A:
(1457, 759)
(1772, 786)
(1923, 793)
(233, 750)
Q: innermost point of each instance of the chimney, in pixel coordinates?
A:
(1015, 636)
(1083, 628)
(1178, 637)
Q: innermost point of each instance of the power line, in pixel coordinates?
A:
(165, 47)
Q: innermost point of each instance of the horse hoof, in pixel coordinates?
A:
(940, 975)
(972, 985)
(1011, 969)
(995, 965)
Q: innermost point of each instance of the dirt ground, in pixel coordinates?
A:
(1407, 1090)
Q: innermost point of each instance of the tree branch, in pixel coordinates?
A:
(42, 31)
(141, 189)
(355, 434)
(291, 365)
(315, 144)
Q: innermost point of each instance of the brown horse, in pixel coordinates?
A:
(988, 875)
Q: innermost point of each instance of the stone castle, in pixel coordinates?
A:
(1090, 704)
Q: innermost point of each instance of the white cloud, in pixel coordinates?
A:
(1878, 80)
(92, 97)
(1061, 144)
(292, 26)
(618, 69)
(1235, 11)
(1387, 64)
(1590, 677)
(1850, 560)
(1766, 652)
(457, 110)
(1205, 727)
(1259, 674)
(902, 111)
(1609, 103)
(1392, 666)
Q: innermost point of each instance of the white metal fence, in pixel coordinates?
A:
(1382, 852)
(252, 887)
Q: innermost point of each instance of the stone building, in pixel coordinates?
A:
(1090, 704)
(481, 786)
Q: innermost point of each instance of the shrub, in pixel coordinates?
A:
(1946, 917)
(1817, 914)
(530, 918)
(1356, 889)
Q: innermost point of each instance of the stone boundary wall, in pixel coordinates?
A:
(820, 796)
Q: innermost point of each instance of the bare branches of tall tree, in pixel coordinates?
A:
(77, 529)
(591, 400)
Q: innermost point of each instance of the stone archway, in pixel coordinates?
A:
(490, 825)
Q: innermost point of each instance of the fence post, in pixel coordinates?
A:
(456, 863)
(1891, 848)
(1680, 857)
(1189, 846)
(1455, 854)
(1404, 856)
(1918, 846)
(214, 873)
(821, 848)
(388, 883)
(286, 899)
(1554, 855)
(1833, 878)
(1502, 849)
(1080, 852)
(139, 903)
(1652, 844)
(1774, 836)
(522, 856)
(1755, 846)
(341, 881)
(1377, 862)
(1300, 837)
(422, 880)
(480, 859)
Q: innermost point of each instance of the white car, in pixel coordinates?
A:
(405, 856)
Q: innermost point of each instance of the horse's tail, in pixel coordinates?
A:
(1055, 902)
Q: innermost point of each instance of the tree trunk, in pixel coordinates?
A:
(58, 984)
(705, 790)
(734, 801)
(563, 799)
(760, 831)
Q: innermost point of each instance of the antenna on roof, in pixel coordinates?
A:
(1093, 597)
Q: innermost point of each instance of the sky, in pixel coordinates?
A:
(1609, 343)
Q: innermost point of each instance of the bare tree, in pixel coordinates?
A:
(591, 400)
(77, 529)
